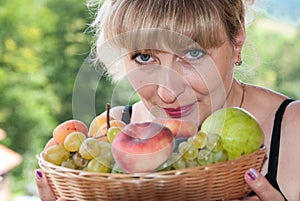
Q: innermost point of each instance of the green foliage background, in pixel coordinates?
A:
(43, 45)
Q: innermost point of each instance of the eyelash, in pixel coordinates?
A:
(201, 54)
(138, 54)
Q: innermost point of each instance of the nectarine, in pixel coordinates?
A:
(142, 147)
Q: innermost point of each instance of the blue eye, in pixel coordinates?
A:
(143, 58)
(194, 54)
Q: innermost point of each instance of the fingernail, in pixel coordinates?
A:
(252, 174)
(39, 174)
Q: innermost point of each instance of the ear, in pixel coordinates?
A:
(238, 44)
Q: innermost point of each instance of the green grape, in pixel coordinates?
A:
(96, 166)
(214, 143)
(105, 156)
(105, 151)
(191, 153)
(69, 163)
(104, 161)
(179, 164)
(205, 157)
(220, 156)
(73, 141)
(199, 140)
(182, 147)
(190, 140)
(116, 169)
(174, 157)
(79, 161)
(90, 148)
(112, 132)
(174, 161)
(167, 165)
(56, 154)
(192, 163)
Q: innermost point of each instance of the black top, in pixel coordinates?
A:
(274, 148)
(271, 176)
(126, 114)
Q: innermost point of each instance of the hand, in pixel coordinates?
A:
(260, 185)
(45, 192)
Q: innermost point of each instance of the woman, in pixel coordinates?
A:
(180, 57)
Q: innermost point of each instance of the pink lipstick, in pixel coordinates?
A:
(180, 111)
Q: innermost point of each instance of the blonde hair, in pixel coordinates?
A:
(203, 21)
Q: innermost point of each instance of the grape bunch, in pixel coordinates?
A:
(82, 153)
(200, 149)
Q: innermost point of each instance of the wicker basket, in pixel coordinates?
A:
(220, 181)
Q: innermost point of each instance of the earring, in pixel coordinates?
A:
(238, 63)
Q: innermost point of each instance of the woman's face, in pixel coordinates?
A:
(189, 83)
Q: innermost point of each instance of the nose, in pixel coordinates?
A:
(166, 94)
(171, 82)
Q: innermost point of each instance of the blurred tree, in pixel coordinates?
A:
(26, 106)
(272, 56)
(43, 45)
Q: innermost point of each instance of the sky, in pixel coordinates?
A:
(286, 11)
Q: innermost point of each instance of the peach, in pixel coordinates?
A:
(179, 127)
(67, 127)
(114, 123)
(98, 122)
(142, 147)
(51, 142)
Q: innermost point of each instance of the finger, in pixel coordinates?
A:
(260, 185)
(45, 192)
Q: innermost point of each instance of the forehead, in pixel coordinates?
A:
(152, 39)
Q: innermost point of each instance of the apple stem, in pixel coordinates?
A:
(107, 115)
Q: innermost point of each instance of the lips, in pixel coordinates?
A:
(180, 111)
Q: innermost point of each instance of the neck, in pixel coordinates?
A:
(236, 94)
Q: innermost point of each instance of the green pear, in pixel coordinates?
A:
(240, 132)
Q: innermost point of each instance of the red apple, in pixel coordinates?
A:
(179, 127)
(142, 147)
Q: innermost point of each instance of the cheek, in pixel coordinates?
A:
(143, 79)
(224, 62)
(142, 82)
(206, 78)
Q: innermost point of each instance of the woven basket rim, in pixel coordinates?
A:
(218, 181)
(41, 160)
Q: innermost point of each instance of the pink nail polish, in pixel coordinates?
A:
(252, 174)
(39, 174)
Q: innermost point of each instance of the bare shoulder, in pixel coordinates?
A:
(263, 104)
(290, 149)
(293, 111)
(264, 95)
(291, 121)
